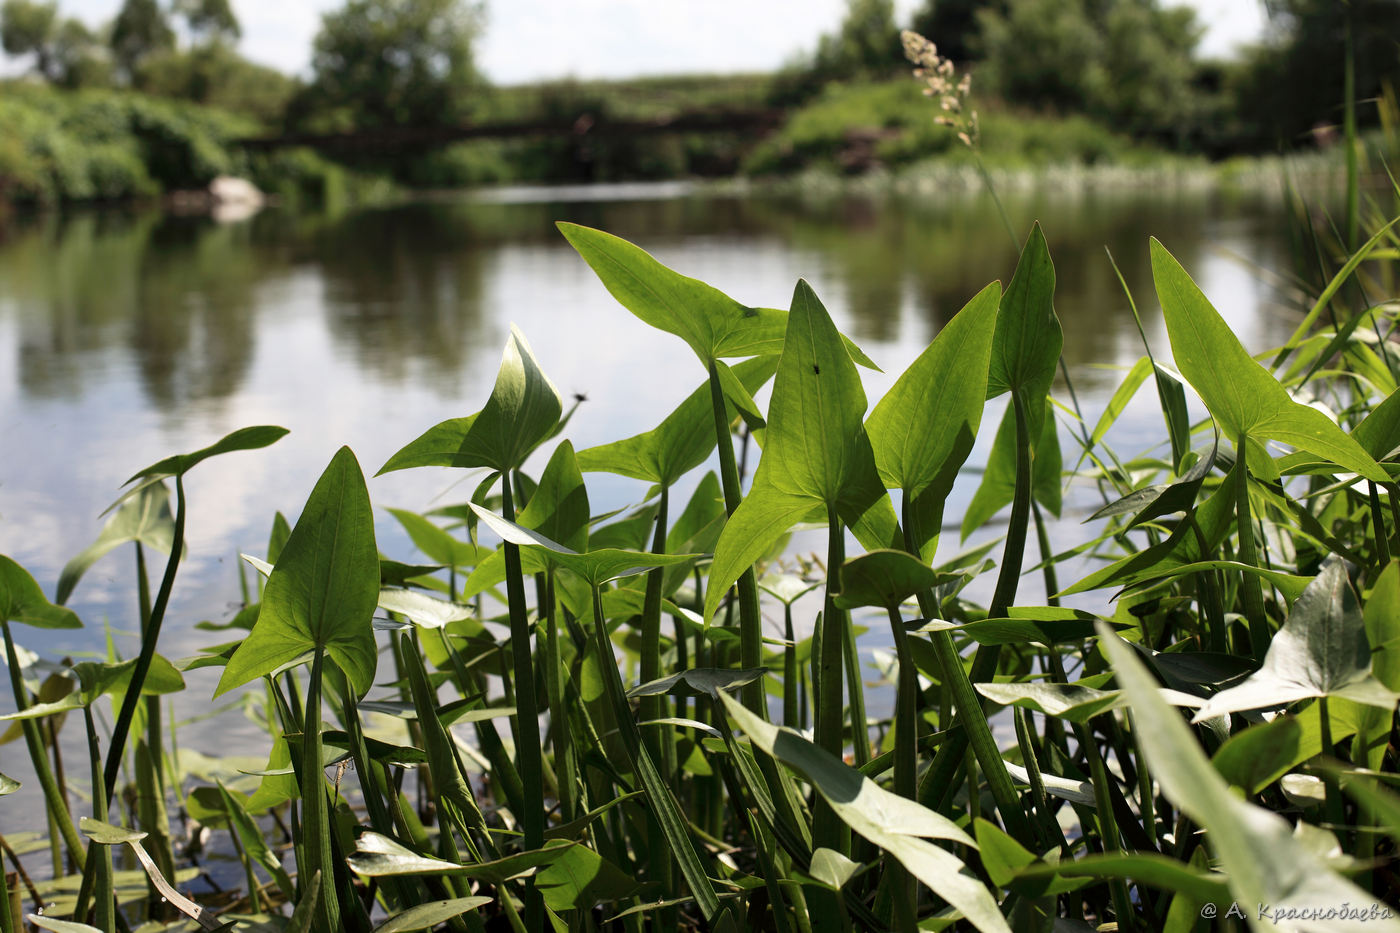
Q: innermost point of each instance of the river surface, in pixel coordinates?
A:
(125, 337)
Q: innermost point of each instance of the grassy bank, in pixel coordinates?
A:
(104, 145)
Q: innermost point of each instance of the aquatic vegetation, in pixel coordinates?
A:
(594, 728)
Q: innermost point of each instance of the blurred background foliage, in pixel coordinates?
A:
(1080, 82)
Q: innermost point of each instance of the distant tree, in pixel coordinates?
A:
(397, 62)
(1128, 62)
(65, 51)
(209, 20)
(27, 28)
(867, 44)
(953, 26)
(1293, 80)
(140, 30)
(79, 56)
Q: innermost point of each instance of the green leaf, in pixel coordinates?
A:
(1074, 702)
(581, 878)
(61, 926)
(787, 588)
(8, 785)
(923, 429)
(376, 856)
(884, 578)
(251, 438)
(709, 321)
(421, 609)
(597, 567)
(1044, 625)
(998, 486)
(558, 508)
(1026, 346)
(1382, 615)
(763, 517)
(1150, 869)
(1322, 650)
(97, 680)
(1155, 501)
(426, 916)
(108, 835)
(1258, 756)
(682, 441)
(832, 868)
(700, 681)
(438, 544)
(1239, 392)
(21, 600)
(815, 451)
(144, 518)
(521, 414)
(323, 591)
(1256, 848)
(889, 821)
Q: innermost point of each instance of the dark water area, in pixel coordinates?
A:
(125, 337)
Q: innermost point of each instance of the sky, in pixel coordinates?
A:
(529, 40)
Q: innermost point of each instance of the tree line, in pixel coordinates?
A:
(1130, 64)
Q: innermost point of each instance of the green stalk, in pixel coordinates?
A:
(149, 636)
(827, 829)
(791, 714)
(39, 758)
(661, 741)
(1378, 526)
(527, 718)
(565, 764)
(1349, 126)
(905, 710)
(316, 827)
(106, 906)
(969, 714)
(901, 887)
(750, 622)
(10, 908)
(657, 794)
(1250, 587)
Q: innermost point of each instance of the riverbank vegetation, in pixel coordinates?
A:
(1057, 84)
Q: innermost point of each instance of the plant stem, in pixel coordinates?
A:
(316, 833)
(750, 622)
(527, 718)
(149, 636)
(106, 905)
(1250, 588)
(39, 758)
(826, 825)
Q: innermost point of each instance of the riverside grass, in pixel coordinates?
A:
(1217, 727)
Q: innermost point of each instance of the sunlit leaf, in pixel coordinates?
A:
(521, 413)
(21, 600)
(683, 439)
(323, 591)
(426, 916)
(923, 429)
(1243, 396)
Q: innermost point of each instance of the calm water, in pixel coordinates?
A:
(127, 337)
